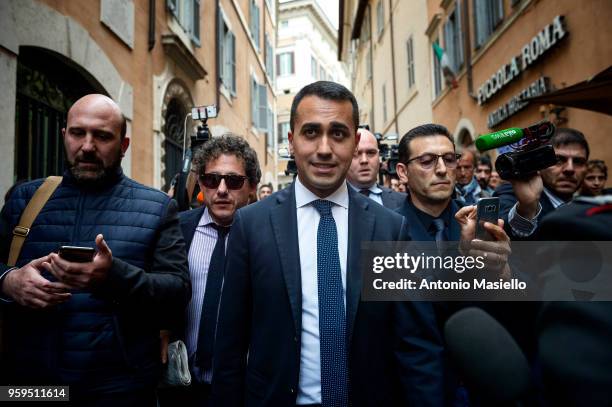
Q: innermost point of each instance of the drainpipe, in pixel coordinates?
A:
(372, 65)
(393, 67)
(467, 48)
(217, 56)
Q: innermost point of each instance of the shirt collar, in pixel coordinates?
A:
(554, 199)
(427, 220)
(374, 189)
(303, 196)
(206, 219)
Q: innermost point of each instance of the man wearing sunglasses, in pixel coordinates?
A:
(292, 329)
(228, 172)
(523, 203)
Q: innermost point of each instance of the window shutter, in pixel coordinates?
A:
(254, 97)
(459, 33)
(232, 58)
(173, 7)
(278, 70)
(292, 63)
(263, 106)
(195, 32)
(221, 40)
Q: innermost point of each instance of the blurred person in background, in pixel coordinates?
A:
(595, 178)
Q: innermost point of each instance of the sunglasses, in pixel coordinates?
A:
(429, 160)
(232, 181)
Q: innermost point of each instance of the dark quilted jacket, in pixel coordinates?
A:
(106, 340)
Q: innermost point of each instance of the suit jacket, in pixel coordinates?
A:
(189, 222)
(507, 199)
(417, 230)
(392, 199)
(395, 352)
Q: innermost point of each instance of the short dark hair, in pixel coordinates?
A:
(424, 130)
(597, 165)
(230, 144)
(328, 91)
(485, 160)
(564, 136)
(268, 185)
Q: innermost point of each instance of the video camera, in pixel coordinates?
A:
(186, 183)
(529, 148)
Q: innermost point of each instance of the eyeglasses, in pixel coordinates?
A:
(428, 161)
(576, 161)
(232, 181)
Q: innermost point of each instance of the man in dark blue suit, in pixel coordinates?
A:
(228, 172)
(292, 329)
(525, 202)
(363, 173)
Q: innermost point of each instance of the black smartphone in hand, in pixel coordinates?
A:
(77, 254)
(487, 210)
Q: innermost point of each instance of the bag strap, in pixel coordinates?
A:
(38, 201)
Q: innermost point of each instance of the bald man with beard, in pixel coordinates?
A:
(363, 173)
(94, 325)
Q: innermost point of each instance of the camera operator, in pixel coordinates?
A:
(364, 171)
(524, 202)
(468, 188)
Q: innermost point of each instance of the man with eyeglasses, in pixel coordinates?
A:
(523, 203)
(428, 165)
(363, 173)
(228, 172)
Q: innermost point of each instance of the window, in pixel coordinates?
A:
(321, 73)
(284, 64)
(369, 64)
(437, 74)
(380, 17)
(187, 13)
(384, 100)
(487, 16)
(313, 67)
(227, 56)
(269, 128)
(254, 23)
(259, 105)
(410, 51)
(283, 133)
(269, 57)
(364, 36)
(284, 24)
(453, 39)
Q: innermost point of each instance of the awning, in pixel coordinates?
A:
(593, 94)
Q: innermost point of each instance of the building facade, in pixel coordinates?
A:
(157, 58)
(306, 52)
(387, 51)
(505, 51)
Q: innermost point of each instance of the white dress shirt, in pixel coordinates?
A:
(309, 391)
(375, 192)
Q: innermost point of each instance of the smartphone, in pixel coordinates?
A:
(77, 254)
(487, 210)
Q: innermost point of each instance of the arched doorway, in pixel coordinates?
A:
(47, 85)
(464, 139)
(177, 103)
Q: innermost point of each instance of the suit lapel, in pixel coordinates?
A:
(189, 224)
(415, 227)
(284, 224)
(454, 230)
(360, 228)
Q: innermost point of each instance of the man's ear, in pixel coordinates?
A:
(357, 139)
(402, 172)
(290, 138)
(125, 143)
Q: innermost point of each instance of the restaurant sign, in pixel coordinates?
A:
(518, 102)
(546, 39)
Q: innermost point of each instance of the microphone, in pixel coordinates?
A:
(489, 358)
(499, 138)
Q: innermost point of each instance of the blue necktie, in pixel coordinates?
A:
(332, 318)
(439, 225)
(210, 305)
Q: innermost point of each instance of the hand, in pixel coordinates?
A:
(495, 253)
(29, 288)
(466, 217)
(164, 337)
(528, 192)
(82, 275)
